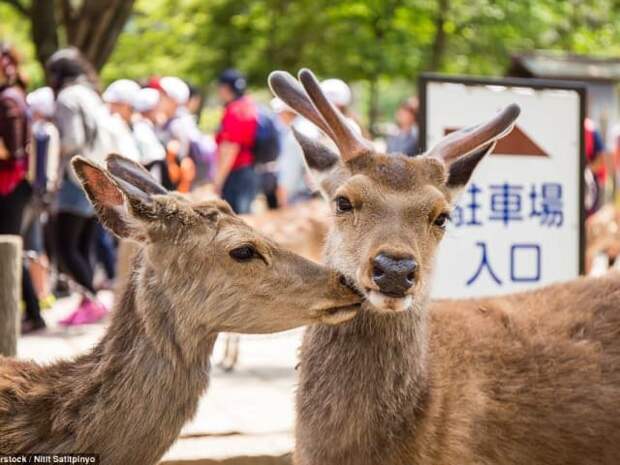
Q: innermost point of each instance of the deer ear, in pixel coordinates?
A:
(461, 169)
(322, 163)
(119, 205)
(133, 173)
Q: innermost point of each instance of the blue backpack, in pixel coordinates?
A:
(267, 140)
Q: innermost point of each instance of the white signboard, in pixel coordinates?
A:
(519, 223)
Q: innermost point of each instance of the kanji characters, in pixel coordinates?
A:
(484, 263)
(525, 264)
(547, 204)
(468, 214)
(505, 203)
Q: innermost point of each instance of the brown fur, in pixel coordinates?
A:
(528, 378)
(532, 378)
(129, 397)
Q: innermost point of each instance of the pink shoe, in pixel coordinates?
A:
(88, 312)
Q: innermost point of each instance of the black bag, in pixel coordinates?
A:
(267, 141)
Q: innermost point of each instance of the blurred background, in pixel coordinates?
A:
(158, 81)
(379, 46)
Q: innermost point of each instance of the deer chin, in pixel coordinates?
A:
(337, 315)
(385, 303)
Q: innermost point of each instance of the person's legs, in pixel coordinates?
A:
(269, 186)
(12, 208)
(33, 311)
(229, 191)
(240, 189)
(106, 251)
(78, 240)
(249, 188)
(88, 244)
(72, 246)
(38, 263)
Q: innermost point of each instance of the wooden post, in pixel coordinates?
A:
(10, 292)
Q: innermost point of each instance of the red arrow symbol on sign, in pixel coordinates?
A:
(516, 143)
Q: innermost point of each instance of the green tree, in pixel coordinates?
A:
(374, 43)
(93, 26)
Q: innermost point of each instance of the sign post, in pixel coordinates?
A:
(519, 224)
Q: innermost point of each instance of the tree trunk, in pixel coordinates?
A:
(10, 292)
(94, 26)
(439, 43)
(44, 29)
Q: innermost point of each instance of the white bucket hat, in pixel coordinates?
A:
(145, 100)
(121, 91)
(337, 92)
(175, 88)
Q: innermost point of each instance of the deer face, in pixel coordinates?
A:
(251, 284)
(214, 269)
(390, 211)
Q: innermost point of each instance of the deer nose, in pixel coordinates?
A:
(393, 275)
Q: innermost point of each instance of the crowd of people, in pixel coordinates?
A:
(153, 122)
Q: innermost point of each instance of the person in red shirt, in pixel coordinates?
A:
(235, 179)
(15, 190)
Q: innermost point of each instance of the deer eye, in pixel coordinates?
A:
(343, 205)
(442, 220)
(244, 253)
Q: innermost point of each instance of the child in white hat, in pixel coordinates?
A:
(152, 151)
(119, 96)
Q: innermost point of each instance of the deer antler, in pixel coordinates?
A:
(351, 145)
(474, 138)
(287, 88)
(311, 103)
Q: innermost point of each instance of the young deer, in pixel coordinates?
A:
(200, 270)
(532, 378)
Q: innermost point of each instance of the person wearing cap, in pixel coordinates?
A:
(152, 152)
(178, 131)
(235, 179)
(178, 123)
(119, 97)
(46, 148)
(339, 94)
(82, 121)
(293, 185)
(43, 175)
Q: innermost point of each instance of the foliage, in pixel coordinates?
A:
(14, 29)
(374, 42)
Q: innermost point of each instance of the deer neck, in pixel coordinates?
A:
(375, 365)
(138, 387)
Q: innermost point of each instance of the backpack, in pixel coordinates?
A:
(267, 140)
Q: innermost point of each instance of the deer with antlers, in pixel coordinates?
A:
(531, 378)
(200, 270)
